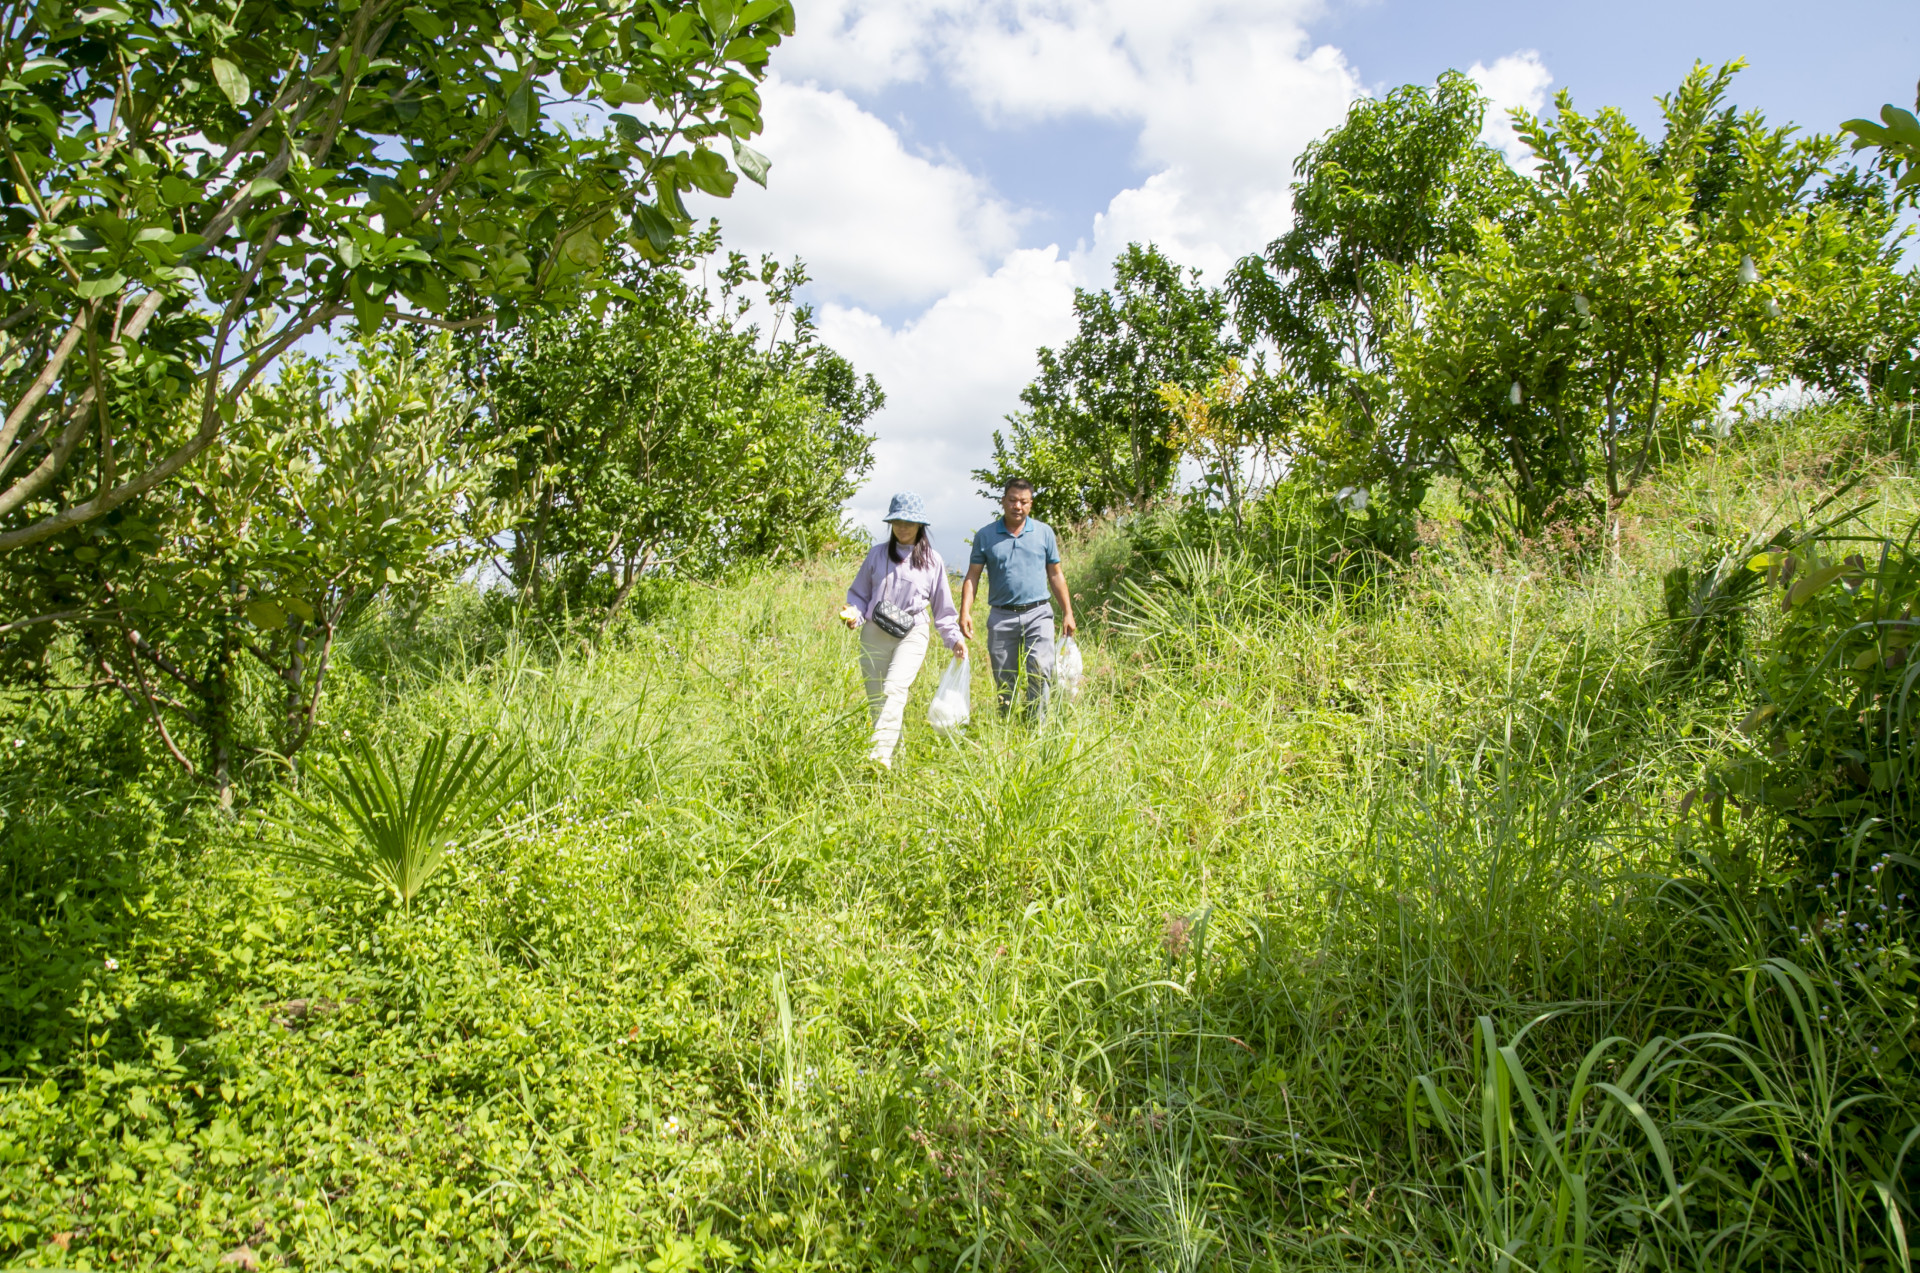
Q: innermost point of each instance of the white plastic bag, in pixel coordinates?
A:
(1068, 669)
(952, 704)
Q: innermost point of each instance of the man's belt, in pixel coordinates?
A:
(1031, 605)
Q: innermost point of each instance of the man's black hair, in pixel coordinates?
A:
(1016, 484)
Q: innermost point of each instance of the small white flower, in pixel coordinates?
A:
(113, 965)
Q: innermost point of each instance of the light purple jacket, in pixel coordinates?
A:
(882, 578)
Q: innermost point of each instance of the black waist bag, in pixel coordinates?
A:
(893, 621)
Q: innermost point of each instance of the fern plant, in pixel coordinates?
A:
(390, 830)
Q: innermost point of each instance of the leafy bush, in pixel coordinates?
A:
(1833, 741)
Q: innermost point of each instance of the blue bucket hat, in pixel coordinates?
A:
(907, 507)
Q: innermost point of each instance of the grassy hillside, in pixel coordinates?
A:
(1357, 927)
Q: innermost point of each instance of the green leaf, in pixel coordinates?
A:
(581, 249)
(264, 614)
(232, 81)
(95, 288)
(1814, 582)
(295, 606)
(540, 18)
(753, 165)
(1901, 124)
(426, 22)
(522, 107)
(369, 310)
(626, 126)
(720, 15)
(654, 225)
(41, 68)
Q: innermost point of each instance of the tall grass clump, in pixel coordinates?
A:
(1383, 914)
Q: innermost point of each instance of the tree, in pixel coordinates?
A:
(1096, 435)
(215, 610)
(1403, 182)
(670, 434)
(1648, 280)
(194, 187)
(1214, 430)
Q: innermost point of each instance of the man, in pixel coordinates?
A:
(1022, 561)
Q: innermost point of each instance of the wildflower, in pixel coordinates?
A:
(113, 965)
(19, 742)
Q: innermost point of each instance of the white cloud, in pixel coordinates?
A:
(876, 225)
(1225, 93)
(951, 375)
(861, 45)
(1516, 80)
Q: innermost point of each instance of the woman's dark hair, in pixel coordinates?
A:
(922, 548)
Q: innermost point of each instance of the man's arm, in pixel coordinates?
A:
(1057, 580)
(971, 582)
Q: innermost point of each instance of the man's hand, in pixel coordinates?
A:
(1057, 583)
(967, 587)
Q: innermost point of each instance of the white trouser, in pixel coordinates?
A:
(890, 664)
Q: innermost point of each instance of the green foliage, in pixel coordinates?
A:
(1897, 138)
(669, 435)
(1562, 358)
(192, 189)
(215, 603)
(1402, 183)
(1832, 742)
(1096, 436)
(393, 831)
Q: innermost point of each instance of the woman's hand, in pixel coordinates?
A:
(850, 617)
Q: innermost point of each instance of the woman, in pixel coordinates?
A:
(895, 584)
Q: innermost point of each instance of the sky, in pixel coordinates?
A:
(950, 170)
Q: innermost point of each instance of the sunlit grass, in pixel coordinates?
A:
(1355, 929)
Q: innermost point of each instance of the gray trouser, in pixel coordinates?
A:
(1021, 641)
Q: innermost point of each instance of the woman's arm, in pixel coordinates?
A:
(945, 618)
(860, 594)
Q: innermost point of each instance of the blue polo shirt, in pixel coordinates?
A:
(1016, 564)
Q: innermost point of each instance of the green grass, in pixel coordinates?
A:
(1355, 929)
